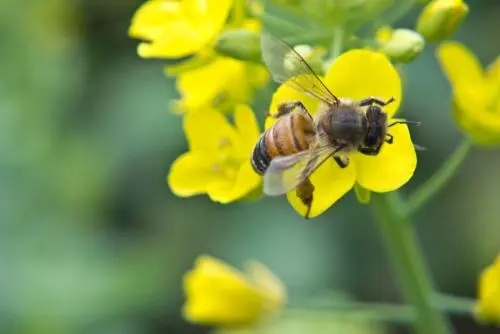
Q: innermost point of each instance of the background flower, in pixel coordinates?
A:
(476, 93)
(358, 74)
(219, 295)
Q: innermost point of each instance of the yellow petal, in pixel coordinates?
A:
(207, 130)
(358, 74)
(247, 126)
(190, 175)
(270, 286)
(176, 29)
(488, 307)
(203, 86)
(331, 183)
(148, 21)
(392, 167)
(226, 190)
(460, 66)
(285, 94)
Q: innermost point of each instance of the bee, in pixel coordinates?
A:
(297, 144)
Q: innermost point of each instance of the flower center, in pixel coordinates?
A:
(226, 160)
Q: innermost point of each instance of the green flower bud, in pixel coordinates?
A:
(240, 44)
(314, 57)
(401, 44)
(441, 18)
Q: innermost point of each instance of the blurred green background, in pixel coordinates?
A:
(93, 241)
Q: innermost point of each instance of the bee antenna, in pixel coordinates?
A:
(416, 123)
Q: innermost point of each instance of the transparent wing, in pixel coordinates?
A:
(287, 66)
(287, 172)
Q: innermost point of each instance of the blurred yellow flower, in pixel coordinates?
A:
(441, 18)
(476, 93)
(175, 29)
(219, 295)
(218, 161)
(488, 307)
(357, 74)
(220, 84)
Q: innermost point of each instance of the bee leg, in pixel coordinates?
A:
(370, 150)
(287, 107)
(405, 122)
(341, 161)
(390, 138)
(373, 100)
(304, 192)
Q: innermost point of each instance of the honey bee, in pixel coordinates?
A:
(297, 144)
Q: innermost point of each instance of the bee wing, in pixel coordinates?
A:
(299, 75)
(287, 172)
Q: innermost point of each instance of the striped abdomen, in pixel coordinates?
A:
(290, 134)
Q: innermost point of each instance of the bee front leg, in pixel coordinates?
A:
(372, 100)
(390, 138)
(287, 107)
(370, 150)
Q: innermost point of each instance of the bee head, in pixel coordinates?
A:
(376, 126)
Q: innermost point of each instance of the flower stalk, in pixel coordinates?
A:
(445, 173)
(407, 258)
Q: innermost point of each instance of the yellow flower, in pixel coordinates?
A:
(357, 74)
(441, 18)
(488, 308)
(218, 162)
(476, 93)
(221, 84)
(174, 29)
(221, 296)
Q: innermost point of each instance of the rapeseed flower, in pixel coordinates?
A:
(488, 307)
(476, 93)
(217, 162)
(173, 29)
(219, 295)
(357, 74)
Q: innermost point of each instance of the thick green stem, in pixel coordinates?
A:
(444, 174)
(408, 262)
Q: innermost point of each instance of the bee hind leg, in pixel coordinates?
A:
(304, 192)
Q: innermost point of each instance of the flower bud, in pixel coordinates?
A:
(441, 18)
(240, 44)
(401, 44)
(314, 57)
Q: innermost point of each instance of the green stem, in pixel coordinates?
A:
(337, 42)
(408, 262)
(383, 311)
(433, 185)
(280, 24)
